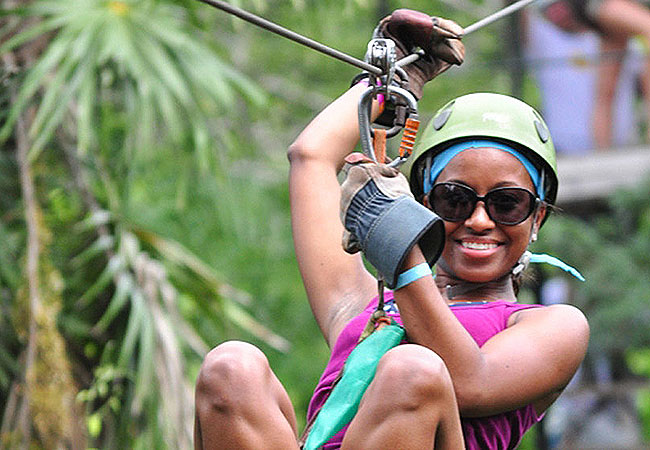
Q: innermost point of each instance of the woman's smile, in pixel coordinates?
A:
(475, 248)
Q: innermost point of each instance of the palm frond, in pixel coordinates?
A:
(151, 51)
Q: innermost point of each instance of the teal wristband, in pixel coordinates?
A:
(414, 273)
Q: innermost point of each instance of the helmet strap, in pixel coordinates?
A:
(542, 182)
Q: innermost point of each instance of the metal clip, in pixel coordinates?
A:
(381, 53)
(365, 129)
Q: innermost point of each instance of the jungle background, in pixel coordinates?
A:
(145, 213)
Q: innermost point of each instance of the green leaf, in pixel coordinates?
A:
(33, 81)
(97, 248)
(9, 271)
(638, 361)
(178, 254)
(144, 376)
(123, 290)
(94, 423)
(64, 100)
(115, 265)
(136, 318)
(86, 135)
(64, 75)
(245, 321)
(34, 31)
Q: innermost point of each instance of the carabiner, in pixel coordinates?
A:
(365, 129)
(381, 53)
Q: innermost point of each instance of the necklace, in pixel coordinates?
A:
(468, 303)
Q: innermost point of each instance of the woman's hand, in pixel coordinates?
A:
(438, 38)
(383, 220)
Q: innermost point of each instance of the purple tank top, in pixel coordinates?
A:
(482, 321)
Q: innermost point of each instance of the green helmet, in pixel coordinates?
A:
(486, 115)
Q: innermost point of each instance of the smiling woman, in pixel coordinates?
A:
(477, 369)
(478, 248)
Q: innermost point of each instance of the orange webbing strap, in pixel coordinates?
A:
(408, 137)
(379, 144)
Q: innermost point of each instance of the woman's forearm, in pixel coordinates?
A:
(429, 322)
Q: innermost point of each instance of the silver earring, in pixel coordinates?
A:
(533, 237)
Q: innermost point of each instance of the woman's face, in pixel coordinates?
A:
(478, 249)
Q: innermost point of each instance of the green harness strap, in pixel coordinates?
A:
(358, 371)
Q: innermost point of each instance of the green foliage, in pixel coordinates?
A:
(612, 252)
(639, 362)
(166, 79)
(12, 236)
(158, 144)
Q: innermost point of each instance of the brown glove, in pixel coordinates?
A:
(438, 38)
(383, 220)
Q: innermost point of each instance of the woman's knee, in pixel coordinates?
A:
(230, 370)
(415, 373)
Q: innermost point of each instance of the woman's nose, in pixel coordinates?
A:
(479, 220)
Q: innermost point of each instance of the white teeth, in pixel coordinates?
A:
(478, 245)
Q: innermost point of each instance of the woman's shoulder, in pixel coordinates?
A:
(562, 317)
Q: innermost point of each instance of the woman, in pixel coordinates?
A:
(478, 369)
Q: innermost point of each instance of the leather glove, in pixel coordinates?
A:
(438, 38)
(383, 220)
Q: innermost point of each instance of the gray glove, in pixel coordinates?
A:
(383, 220)
(438, 38)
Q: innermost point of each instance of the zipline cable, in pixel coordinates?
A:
(476, 26)
(296, 37)
(292, 35)
(497, 15)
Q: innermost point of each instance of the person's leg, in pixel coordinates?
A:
(622, 19)
(240, 403)
(410, 404)
(612, 51)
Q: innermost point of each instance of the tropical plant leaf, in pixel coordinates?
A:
(97, 248)
(114, 266)
(238, 316)
(123, 289)
(136, 316)
(153, 51)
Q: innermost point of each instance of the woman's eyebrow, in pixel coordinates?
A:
(504, 183)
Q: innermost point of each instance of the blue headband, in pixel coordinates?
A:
(441, 160)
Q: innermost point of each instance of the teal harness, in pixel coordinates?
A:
(358, 372)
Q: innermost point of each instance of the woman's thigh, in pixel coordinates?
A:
(240, 403)
(409, 404)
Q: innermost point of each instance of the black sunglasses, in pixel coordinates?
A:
(506, 205)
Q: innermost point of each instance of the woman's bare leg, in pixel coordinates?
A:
(410, 404)
(609, 69)
(240, 403)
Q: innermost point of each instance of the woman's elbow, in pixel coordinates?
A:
(296, 151)
(469, 400)
(300, 151)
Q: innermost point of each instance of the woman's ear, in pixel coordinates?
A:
(537, 223)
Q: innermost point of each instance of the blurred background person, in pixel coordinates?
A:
(568, 69)
(615, 21)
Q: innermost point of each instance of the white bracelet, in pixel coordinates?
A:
(414, 273)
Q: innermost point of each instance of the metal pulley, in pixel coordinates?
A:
(381, 53)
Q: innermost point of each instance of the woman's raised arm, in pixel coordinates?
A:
(337, 283)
